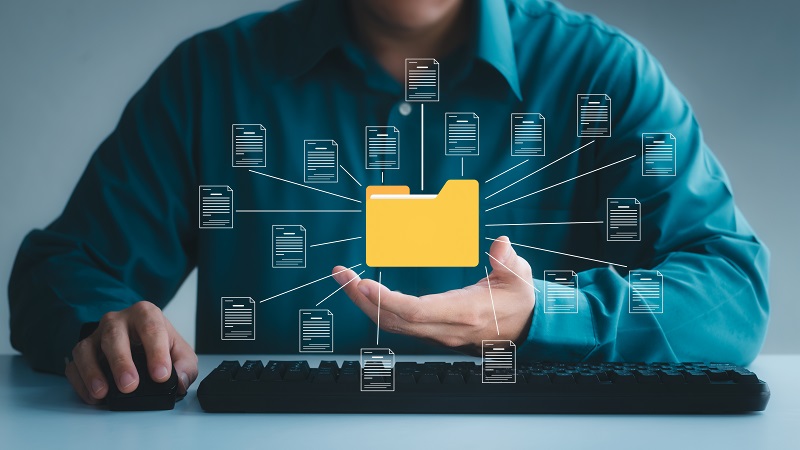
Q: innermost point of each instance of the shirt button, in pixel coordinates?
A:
(404, 108)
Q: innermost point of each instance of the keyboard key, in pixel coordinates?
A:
(428, 375)
(297, 370)
(696, 377)
(621, 376)
(453, 376)
(273, 371)
(587, 378)
(717, 375)
(537, 377)
(647, 376)
(324, 375)
(331, 364)
(562, 378)
(226, 370)
(745, 377)
(671, 377)
(249, 371)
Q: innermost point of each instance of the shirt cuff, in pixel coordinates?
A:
(559, 336)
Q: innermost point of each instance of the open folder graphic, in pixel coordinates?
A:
(406, 230)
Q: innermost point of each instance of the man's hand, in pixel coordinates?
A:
(143, 322)
(458, 318)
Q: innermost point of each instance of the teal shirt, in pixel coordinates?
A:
(130, 230)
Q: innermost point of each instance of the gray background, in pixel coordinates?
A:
(67, 68)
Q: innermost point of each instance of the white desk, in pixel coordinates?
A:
(40, 411)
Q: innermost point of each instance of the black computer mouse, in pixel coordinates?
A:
(149, 395)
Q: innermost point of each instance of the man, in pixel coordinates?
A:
(326, 70)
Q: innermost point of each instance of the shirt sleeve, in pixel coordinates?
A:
(715, 304)
(126, 233)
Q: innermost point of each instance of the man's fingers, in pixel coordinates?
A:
(74, 378)
(507, 266)
(350, 280)
(88, 369)
(183, 358)
(148, 321)
(116, 345)
(405, 306)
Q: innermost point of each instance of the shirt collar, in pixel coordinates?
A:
(495, 43)
(321, 27)
(326, 23)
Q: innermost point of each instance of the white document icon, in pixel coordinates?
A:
(316, 331)
(288, 246)
(377, 370)
(249, 145)
(320, 161)
(594, 115)
(382, 147)
(216, 207)
(422, 80)
(560, 291)
(645, 292)
(238, 319)
(462, 134)
(658, 154)
(624, 219)
(498, 361)
(527, 134)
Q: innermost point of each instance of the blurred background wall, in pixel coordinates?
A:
(67, 68)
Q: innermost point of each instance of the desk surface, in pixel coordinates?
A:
(40, 411)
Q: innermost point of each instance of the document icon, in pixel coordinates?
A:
(216, 207)
(594, 115)
(422, 80)
(321, 161)
(499, 361)
(316, 331)
(238, 319)
(382, 147)
(288, 246)
(377, 370)
(527, 134)
(645, 291)
(560, 291)
(624, 219)
(462, 134)
(658, 154)
(406, 230)
(249, 145)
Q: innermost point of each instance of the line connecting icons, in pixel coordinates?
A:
(427, 229)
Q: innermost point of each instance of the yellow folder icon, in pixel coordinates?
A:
(406, 230)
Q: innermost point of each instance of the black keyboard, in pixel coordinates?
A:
(438, 387)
